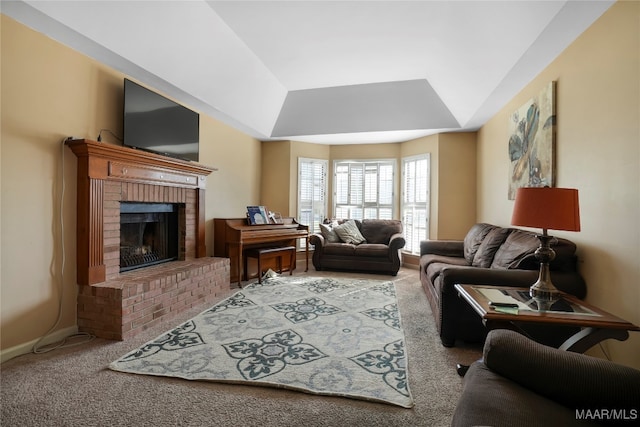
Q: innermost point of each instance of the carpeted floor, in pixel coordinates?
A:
(74, 387)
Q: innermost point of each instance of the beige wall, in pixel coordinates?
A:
(276, 177)
(49, 92)
(598, 152)
(236, 183)
(453, 174)
(457, 173)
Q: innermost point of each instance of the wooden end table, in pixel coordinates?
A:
(596, 325)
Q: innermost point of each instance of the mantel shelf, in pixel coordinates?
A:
(89, 148)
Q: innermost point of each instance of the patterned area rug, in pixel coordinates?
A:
(336, 337)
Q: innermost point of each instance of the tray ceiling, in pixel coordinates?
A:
(332, 72)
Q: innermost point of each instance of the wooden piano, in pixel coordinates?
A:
(232, 236)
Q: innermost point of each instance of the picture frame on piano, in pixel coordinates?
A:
(275, 218)
(257, 215)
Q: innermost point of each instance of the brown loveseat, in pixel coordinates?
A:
(379, 252)
(490, 255)
(522, 383)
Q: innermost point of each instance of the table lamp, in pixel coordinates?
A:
(546, 208)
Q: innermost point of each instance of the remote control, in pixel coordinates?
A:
(503, 304)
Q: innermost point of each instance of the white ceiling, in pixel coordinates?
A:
(332, 72)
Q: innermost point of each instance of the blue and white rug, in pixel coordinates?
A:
(326, 336)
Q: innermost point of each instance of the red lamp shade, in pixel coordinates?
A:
(547, 208)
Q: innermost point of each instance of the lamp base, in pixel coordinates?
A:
(544, 295)
(543, 291)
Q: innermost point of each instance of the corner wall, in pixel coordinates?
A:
(598, 152)
(49, 92)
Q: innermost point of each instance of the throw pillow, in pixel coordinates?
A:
(474, 238)
(329, 234)
(487, 250)
(349, 233)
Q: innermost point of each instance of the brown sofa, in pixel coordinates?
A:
(522, 383)
(491, 255)
(378, 253)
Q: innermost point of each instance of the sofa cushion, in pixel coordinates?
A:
(349, 233)
(441, 260)
(371, 250)
(434, 269)
(380, 230)
(343, 249)
(517, 251)
(487, 249)
(474, 238)
(329, 233)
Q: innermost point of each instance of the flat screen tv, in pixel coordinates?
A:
(154, 123)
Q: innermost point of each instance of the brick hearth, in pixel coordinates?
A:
(117, 305)
(120, 308)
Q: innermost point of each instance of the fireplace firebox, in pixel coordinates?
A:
(148, 234)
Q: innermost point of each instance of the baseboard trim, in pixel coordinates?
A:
(27, 347)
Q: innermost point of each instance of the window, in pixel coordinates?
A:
(364, 190)
(415, 201)
(312, 192)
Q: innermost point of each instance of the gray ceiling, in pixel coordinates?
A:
(332, 72)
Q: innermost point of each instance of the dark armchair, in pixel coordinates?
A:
(523, 383)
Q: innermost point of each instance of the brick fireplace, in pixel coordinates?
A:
(115, 303)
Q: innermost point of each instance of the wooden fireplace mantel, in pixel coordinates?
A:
(108, 161)
(99, 163)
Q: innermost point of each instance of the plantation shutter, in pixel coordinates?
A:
(364, 190)
(415, 201)
(312, 192)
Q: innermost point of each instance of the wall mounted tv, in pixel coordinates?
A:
(157, 124)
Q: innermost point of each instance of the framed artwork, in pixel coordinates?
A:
(257, 215)
(532, 134)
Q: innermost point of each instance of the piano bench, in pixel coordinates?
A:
(266, 254)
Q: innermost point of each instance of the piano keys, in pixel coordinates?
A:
(232, 236)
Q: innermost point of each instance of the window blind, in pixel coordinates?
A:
(364, 189)
(415, 201)
(312, 192)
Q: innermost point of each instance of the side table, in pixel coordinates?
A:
(596, 324)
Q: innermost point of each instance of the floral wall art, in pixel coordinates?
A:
(532, 142)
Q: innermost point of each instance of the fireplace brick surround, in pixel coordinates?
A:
(116, 305)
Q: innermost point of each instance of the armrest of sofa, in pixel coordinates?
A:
(453, 248)
(574, 380)
(397, 242)
(317, 240)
